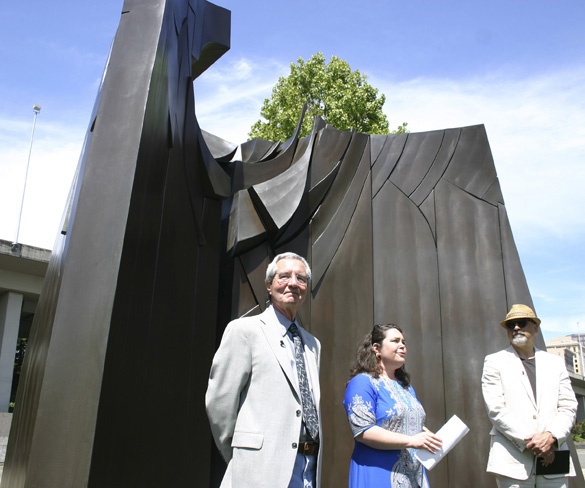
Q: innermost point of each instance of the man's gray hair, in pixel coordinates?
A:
(271, 270)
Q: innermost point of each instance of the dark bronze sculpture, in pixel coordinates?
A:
(167, 237)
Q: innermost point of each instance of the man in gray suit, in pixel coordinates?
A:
(531, 405)
(263, 394)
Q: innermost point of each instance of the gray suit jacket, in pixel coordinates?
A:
(253, 402)
(515, 413)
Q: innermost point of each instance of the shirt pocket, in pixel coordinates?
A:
(248, 440)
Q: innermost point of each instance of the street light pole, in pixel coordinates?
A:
(36, 110)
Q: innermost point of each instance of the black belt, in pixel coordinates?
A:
(308, 448)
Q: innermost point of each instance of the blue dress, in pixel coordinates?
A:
(386, 403)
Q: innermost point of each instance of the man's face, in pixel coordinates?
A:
(289, 286)
(522, 336)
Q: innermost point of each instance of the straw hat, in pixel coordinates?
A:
(520, 312)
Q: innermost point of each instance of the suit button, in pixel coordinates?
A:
(295, 445)
(534, 416)
(298, 413)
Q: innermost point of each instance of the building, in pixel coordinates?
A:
(580, 338)
(571, 351)
(568, 349)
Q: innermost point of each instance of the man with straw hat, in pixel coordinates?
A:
(532, 407)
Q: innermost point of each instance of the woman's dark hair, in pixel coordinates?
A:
(366, 361)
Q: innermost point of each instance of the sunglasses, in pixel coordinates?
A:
(520, 323)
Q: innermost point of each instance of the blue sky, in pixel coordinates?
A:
(516, 66)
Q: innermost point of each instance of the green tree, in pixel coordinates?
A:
(578, 431)
(332, 90)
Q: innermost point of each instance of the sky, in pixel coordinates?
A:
(516, 66)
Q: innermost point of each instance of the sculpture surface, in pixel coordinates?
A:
(167, 236)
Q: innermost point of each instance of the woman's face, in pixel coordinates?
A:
(392, 349)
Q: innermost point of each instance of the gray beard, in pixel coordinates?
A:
(519, 340)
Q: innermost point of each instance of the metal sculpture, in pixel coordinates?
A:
(167, 236)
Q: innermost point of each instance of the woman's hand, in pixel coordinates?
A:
(379, 438)
(426, 440)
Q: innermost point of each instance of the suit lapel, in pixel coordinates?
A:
(515, 363)
(541, 373)
(274, 338)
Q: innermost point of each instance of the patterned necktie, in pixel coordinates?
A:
(309, 411)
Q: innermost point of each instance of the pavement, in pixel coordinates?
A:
(580, 452)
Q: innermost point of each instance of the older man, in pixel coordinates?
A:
(263, 394)
(530, 403)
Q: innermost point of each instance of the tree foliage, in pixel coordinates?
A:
(578, 431)
(332, 90)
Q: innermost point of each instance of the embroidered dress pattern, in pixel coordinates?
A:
(386, 403)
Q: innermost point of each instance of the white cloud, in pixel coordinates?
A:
(53, 160)
(228, 98)
(536, 129)
(238, 70)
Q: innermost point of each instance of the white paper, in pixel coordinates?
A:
(451, 433)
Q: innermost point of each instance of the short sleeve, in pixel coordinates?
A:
(360, 403)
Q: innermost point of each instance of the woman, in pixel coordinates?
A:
(384, 415)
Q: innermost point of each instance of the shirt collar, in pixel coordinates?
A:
(283, 322)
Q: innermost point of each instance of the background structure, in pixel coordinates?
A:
(167, 236)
